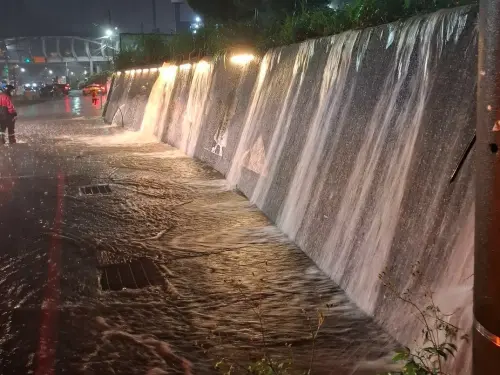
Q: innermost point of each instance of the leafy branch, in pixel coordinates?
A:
(438, 335)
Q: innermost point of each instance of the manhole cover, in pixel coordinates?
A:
(136, 274)
(95, 190)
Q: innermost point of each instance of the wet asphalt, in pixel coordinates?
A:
(167, 272)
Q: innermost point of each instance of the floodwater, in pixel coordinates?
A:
(232, 287)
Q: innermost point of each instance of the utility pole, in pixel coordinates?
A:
(177, 13)
(486, 336)
(155, 27)
(111, 43)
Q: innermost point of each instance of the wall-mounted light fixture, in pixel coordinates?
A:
(168, 73)
(203, 65)
(242, 59)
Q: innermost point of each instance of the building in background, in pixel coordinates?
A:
(181, 8)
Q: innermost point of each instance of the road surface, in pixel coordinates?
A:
(166, 270)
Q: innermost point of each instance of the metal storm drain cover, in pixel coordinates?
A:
(136, 274)
(95, 189)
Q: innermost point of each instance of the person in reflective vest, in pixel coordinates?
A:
(8, 115)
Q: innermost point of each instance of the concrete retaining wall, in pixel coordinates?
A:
(348, 144)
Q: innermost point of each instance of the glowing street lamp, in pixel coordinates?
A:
(198, 19)
(242, 59)
(51, 72)
(109, 33)
(23, 70)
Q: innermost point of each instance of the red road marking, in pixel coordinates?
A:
(50, 306)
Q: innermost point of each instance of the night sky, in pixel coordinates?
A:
(69, 17)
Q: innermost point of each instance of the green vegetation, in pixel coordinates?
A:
(430, 354)
(438, 342)
(259, 25)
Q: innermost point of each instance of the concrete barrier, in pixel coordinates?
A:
(348, 144)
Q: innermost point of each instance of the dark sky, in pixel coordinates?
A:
(60, 17)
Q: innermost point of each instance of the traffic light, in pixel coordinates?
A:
(27, 60)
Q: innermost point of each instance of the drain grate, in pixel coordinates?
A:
(95, 189)
(136, 274)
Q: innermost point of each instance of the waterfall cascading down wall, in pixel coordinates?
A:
(347, 143)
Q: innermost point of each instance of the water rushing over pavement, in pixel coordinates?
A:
(220, 258)
(347, 143)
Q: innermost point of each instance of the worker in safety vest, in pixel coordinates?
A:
(8, 115)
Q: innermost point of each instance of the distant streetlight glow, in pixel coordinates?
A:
(51, 72)
(198, 19)
(72, 73)
(194, 31)
(242, 59)
(85, 72)
(109, 33)
(23, 70)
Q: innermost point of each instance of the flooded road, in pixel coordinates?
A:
(167, 272)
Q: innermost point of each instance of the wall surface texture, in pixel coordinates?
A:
(348, 144)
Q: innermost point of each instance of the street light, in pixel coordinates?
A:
(51, 72)
(198, 19)
(109, 33)
(23, 70)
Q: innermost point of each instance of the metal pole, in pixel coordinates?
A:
(177, 12)
(154, 16)
(486, 337)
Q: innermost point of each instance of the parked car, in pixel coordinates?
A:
(47, 91)
(94, 87)
(54, 90)
(62, 88)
